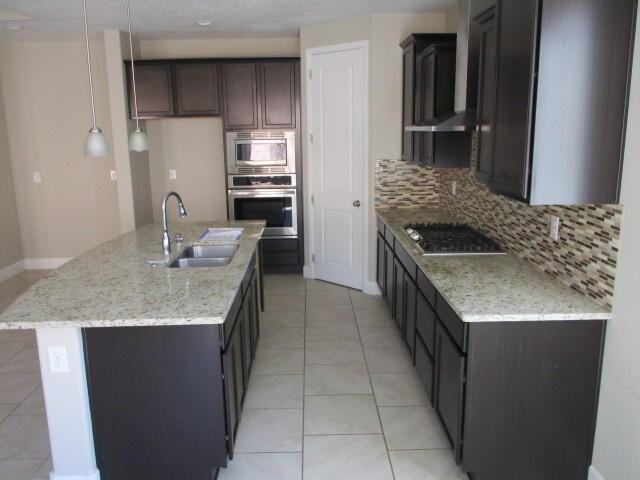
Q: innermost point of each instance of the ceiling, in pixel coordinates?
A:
(59, 19)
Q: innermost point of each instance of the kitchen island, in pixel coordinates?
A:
(125, 401)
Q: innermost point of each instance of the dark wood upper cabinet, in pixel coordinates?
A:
(278, 94)
(486, 24)
(154, 89)
(197, 91)
(561, 91)
(240, 95)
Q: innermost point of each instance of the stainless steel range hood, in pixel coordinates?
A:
(464, 119)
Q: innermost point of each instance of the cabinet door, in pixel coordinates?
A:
(247, 340)
(425, 104)
(486, 92)
(398, 293)
(380, 264)
(240, 95)
(424, 367)
(278, 87)
(513, 116)
(255, 329)
(450, 364)
(233, 382)
(426, 322)
(389, 275)
(408, 64)
(197, 90)
(154, 89)
(410, 292)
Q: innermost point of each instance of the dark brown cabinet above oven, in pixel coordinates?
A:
(552, 97)
(429, 66)
(249, 94)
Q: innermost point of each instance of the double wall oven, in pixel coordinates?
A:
(261, 169)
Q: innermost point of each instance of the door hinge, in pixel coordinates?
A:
(313, 199)
(313, 258)
(310, 75)
(311, 137)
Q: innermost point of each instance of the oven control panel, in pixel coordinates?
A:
(261, 181)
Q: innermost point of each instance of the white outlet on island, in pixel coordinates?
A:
(58, 362)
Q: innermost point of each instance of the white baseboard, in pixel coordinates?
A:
(15, 268)
(594, 474)
(44, 263)
(307, 272)
(95, 475)
(371, 288)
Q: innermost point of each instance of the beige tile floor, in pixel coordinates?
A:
(24, 439)
(333, 395)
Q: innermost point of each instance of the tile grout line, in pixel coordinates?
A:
(384, 437)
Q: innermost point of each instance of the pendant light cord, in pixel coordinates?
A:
(86, 36)
(133, 70)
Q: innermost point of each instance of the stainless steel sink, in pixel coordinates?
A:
(199, 256)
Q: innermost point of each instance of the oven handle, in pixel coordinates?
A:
(256, 193)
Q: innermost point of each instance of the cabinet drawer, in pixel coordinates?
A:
(454, 325)
(405, 259)
(232, 317)
(427, 288)
(426, 322)
(424, 367)
(388, 236)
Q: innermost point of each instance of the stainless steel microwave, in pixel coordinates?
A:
(261, 152)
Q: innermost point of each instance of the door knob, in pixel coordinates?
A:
(356, 203)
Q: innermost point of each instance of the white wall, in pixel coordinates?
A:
(46, 98)
(618, 429)
(194, 146)
(384, 34)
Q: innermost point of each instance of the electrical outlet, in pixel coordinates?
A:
(58, 362)
(172, 174)
(554, 227)
(37, 178)
(114, 175)
(454, 186)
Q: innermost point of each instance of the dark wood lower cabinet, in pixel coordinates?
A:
(380, 278)
(517, 400)
(166, 401)
(282, 255)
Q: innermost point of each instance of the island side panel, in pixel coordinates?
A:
(531, 400)
(157, 401)
(67, 405)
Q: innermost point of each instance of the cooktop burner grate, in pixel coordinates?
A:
(451, 239)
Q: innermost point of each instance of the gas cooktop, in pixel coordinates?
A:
(451, 239)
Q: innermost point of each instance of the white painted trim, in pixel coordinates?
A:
(95, 475)
(594, 474)
(44, 263)
(12, 270)
(308, 206)
(371, 288)
(307, 272)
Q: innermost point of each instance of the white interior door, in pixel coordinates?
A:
(336, 104)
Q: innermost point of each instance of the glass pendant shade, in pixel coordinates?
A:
(138, 141)
(96, 144)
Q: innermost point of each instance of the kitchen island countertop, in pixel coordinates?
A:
(491, 288)
(114, 285)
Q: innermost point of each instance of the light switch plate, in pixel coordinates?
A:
(114, 175)
(58, 362)
(37, 178)
(172, 174)
(554, 227)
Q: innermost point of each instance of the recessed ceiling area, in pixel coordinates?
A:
(60, 19)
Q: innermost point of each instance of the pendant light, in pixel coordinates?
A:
(96, 144)
(138, 140)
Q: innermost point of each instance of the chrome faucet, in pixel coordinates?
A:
(166, 239)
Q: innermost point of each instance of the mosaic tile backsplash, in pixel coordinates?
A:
(402, 185)
(584, 257)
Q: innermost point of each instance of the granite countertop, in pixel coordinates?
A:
(113, 285)
(493, 288)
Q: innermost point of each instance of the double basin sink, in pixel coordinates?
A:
(198, 256)
(205, 256)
